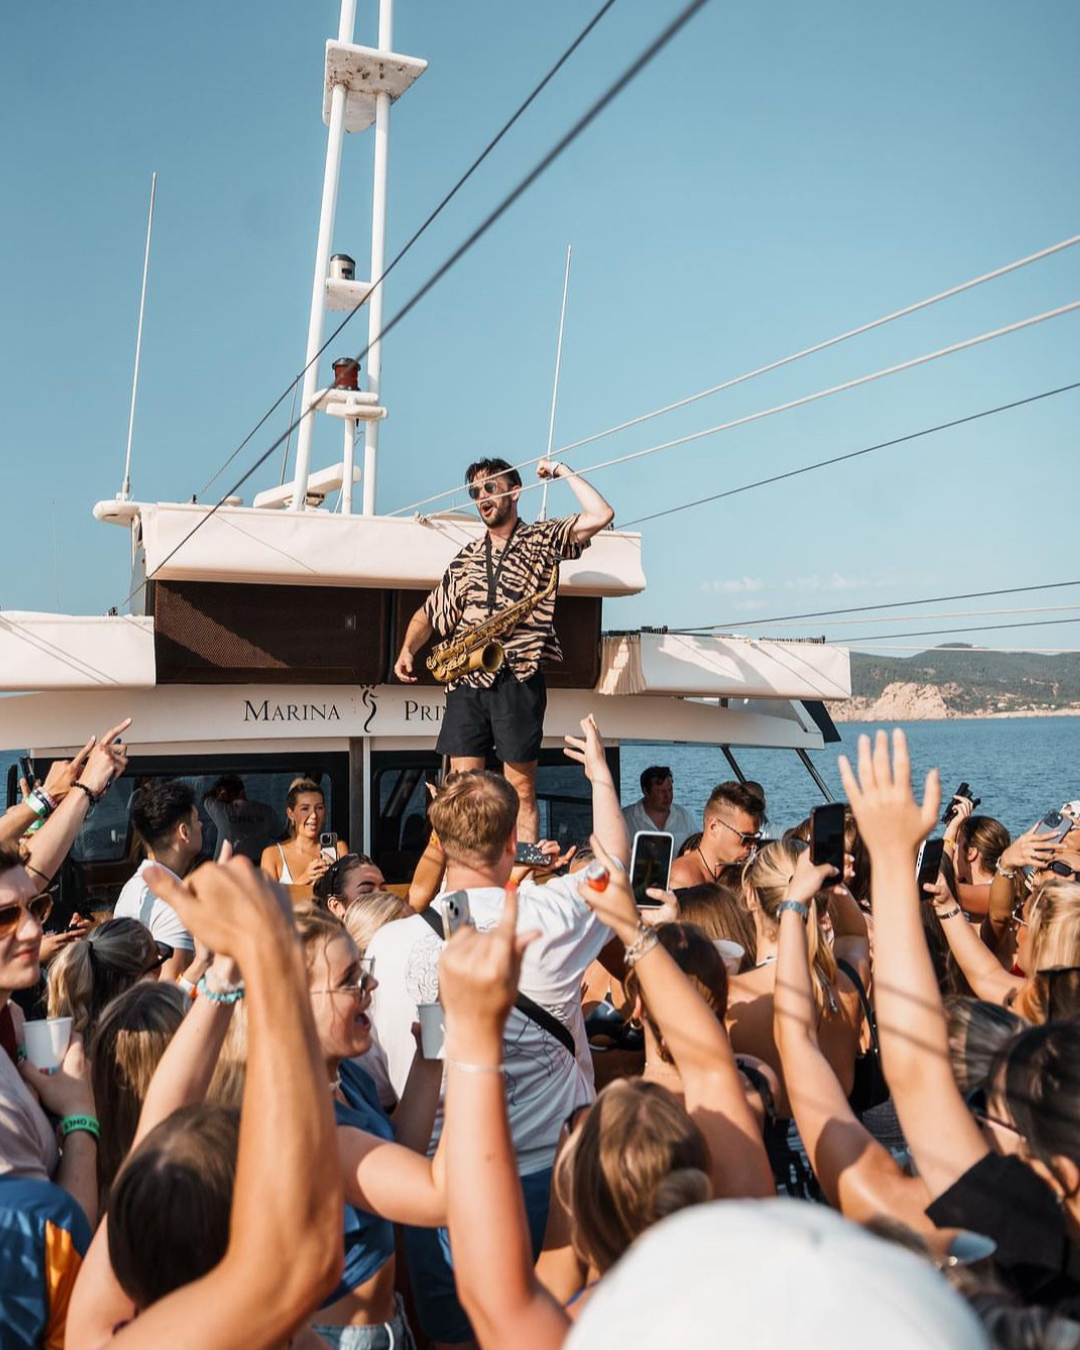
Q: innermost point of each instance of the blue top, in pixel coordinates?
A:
(369, 1240)
(43, 1238)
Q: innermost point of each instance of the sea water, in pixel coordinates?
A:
(1021, 767)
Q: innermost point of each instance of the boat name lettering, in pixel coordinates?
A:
(290, 712)
(426, 712)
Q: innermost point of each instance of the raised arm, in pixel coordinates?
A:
(859, 1176)
(595, 513)
(609, 824)
(489, 1233)
(981, 968)
(287, 1177)
(1029, 850)
(697, 1040)
(941, 1134)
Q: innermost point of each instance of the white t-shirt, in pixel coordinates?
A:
(543, 1084)
(680, 822)
(138, 901)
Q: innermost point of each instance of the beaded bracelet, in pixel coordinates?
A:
(1006, 872)
(93, 796)
(645, 941)
(233, 994)
(73, 1124)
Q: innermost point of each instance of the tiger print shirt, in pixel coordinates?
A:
(521, 567)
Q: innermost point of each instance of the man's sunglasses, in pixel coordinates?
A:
(39, 909)
(491, 486)
(751, 839)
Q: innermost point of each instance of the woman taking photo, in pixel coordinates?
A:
(298, 860)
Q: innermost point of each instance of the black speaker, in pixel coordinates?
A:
(227, 633)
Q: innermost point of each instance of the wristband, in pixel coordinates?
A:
(796, 906)
(1004, 871)
(948, 843)
(85, 1124)
(232, 994)
(94, 797)
(949, 913)
(41, 804)
(186, 986)
(475, 1068)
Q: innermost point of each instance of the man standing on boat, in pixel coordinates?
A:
(504, 710)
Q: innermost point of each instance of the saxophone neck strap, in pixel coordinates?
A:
(494, 570)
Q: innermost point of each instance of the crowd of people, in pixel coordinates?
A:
(504, 1106)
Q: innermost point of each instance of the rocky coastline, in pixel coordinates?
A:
(911, 702)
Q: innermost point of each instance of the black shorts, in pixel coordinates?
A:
(507, 718)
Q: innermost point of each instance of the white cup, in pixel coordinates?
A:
(47, 1041)
(731, 953)
(432, 1029)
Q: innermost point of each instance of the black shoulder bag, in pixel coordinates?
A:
(869, 1088)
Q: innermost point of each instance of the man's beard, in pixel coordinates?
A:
(499, 515)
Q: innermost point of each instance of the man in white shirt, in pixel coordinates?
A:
(166, 819)
(475, 819)
(657, 810)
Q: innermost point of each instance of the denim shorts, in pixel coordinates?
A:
(394, 1335)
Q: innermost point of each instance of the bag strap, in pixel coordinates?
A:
(868, 1012)
(545, 1020)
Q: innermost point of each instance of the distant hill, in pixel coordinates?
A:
(961, 682)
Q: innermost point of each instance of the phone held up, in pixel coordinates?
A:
(530, 855)
(328, 845)
(26, 769)
(827, 836)
(928, 864)
(650, 865)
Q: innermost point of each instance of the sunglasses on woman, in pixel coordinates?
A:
(39, 909)
(357, 988)
(1061, 869)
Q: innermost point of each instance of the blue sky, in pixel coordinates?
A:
(781, 173)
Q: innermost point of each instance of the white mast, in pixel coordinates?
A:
(124, 494)
(327, 211)
(378, 257)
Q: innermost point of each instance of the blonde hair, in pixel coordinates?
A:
(93, 970)
(474, 816)
(366, 916)
(230, 1072)
(130, 1038)
(766, 878)
(1053, 942)
(316, 929)
(636, 1158)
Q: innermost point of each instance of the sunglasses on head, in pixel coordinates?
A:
(490, 486)
(39, 908)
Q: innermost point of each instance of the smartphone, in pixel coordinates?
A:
(928, 864)
(530, 855)
(1054, 827)
(457, 912)
(26, 769)
(650, 865)
(328, 845)
(827, 836)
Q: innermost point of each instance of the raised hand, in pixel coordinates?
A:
(230, 907)
(63, 772)
(478, 972)
(881, 798)
(588, 749)
(809, 879)
(106, 760)
(1031, 850)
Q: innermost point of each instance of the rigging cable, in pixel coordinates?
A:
(567, 139)
(933, 632)
(851, 454)
(446, 200)
(889, 604)
(959, 614)
(823, 393)
(783, 361)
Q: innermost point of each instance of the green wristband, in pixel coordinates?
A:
(73, 1124)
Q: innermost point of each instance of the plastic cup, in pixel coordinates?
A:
(432, 1029)
(47, 1041)
(731, 953)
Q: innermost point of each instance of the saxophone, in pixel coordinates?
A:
(478, 647)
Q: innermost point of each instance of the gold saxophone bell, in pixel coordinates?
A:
(489, 657)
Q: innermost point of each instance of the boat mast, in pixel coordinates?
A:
(334, 140)
(378, 258)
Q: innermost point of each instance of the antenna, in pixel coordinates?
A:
(124, 495)
(555, 389)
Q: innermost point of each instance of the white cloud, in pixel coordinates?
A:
(738, 586)
(835, 581)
